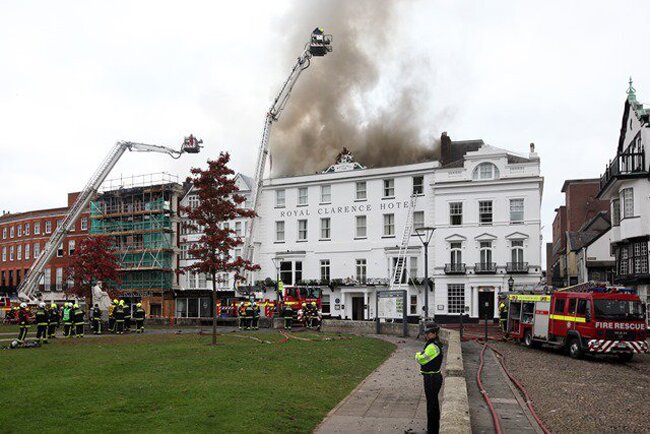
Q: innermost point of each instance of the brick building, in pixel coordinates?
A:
(23, 237)
(581, 206)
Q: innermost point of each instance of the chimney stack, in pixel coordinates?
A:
(445, 148)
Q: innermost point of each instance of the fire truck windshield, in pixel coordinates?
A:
(303, 292)
(619, 310)
(312, 292)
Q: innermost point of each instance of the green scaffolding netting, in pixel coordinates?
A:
(147, 259)
(146, 279)
(105, 207)
(149, 223)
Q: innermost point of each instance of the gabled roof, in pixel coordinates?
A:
(640, 112)
(247, 180)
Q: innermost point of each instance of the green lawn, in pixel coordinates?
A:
(179, 383)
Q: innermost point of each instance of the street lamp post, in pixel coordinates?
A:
(424, 234)
(511, 284)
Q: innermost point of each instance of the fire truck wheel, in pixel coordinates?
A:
(528, 340)
(625, 357)
(574, 348)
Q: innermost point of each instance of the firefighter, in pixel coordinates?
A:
(139, 315)
(287, 314)
(23, 322)
(305, 314)
(111, 316)
(67, 320)
(241, 312)
(430, 360)
(78, 314)
(118, 314)
(255, 316)
(250, 311)
(54, 321)
(314, 316)
(41, 323)
(127, 316)
(503, 316)
(97, 320)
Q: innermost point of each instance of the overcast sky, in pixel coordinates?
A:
(78, 76)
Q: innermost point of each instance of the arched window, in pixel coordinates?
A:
(485, 171)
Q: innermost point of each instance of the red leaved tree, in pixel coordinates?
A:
(219, 202)
(92, 260)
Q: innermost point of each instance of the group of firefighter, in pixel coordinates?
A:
(310, 315)
(120, 318)
(249, 315)
(49, 318)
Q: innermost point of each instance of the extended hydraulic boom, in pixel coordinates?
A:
(28, 286)
(319, 45)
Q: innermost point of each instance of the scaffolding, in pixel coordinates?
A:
(139, 219)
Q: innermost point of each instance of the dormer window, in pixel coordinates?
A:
(485, 171)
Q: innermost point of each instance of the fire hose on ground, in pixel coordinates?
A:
(495, 416)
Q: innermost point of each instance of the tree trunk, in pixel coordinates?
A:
(214, 309)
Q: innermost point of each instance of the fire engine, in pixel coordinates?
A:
(295, 296)
(589, 318)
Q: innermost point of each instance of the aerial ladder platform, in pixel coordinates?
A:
(319, 45)
(29, 286)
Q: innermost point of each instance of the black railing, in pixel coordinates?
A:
(517, 267)
(456, 268)
(485, 267)
(626, 163)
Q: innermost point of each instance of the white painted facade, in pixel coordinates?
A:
(197, 281)
(514, 191)
(598, 251)
(626, 184)
(366, 210)
(292, 229)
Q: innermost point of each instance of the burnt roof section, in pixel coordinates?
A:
(452, 152)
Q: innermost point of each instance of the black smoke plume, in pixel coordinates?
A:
(345, 98)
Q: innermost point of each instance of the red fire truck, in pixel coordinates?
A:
(295, 296)
(586, 318)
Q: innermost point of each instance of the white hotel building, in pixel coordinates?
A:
(344, 225)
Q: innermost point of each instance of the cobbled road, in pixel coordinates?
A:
(592, 395)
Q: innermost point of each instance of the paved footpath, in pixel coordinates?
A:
(390, 400)
(514, 415)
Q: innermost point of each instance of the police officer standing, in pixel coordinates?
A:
(138, 315)
(430, 360)
(97, 320)
(41, 323)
